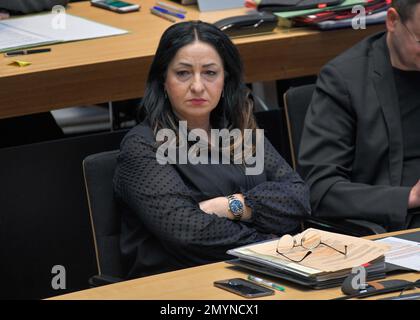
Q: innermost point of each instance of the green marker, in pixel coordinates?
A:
(266, 283)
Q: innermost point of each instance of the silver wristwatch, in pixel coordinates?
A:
(236, 207)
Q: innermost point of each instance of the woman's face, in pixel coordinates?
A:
(194, 82)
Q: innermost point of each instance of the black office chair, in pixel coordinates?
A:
(271, 121)
(98, 171)
(296, 103)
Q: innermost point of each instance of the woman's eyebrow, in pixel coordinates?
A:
(209, 64)
(186, 64)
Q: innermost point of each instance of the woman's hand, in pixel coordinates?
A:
(414, 198)
(218, 206)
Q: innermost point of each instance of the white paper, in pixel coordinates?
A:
(403, 253)
(14, 38)
(45, 27)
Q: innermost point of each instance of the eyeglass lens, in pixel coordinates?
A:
(311, 240)
(285, 243)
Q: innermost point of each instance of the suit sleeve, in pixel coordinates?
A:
(326, 155)
(160, 199)
(279, 203)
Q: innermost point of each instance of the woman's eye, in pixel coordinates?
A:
(210, 73)
(182, 73)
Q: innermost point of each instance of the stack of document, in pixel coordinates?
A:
(324, 268)
(403, 253)
(374, 12)
(45, 28)
(336, 16)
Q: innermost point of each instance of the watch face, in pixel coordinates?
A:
(236, 206)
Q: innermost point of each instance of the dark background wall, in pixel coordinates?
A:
(44, 217)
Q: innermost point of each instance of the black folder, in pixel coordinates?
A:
(304, 281)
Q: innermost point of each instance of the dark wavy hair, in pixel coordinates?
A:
(235, 108)
(405, 8)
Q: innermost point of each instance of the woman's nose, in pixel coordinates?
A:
(197, 84)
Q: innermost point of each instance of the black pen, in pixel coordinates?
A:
(23, 52)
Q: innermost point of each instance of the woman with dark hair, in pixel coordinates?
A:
(181, 213)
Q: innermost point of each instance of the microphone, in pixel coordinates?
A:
(354, 289)
(351, 287)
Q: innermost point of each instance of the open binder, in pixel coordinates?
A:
(323, 269)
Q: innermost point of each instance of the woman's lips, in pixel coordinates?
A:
(197, 102)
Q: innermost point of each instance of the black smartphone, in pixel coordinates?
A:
(244, 288)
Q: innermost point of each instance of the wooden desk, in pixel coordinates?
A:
(115, 68)
(197, 284)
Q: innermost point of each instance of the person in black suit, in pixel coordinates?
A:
(360, 147)
(181, 214)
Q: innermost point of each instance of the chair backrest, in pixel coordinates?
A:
(98, 171)
(272, 121)
(296, 103)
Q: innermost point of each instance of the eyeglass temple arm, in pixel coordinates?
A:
(345, 248)
(293, 260)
